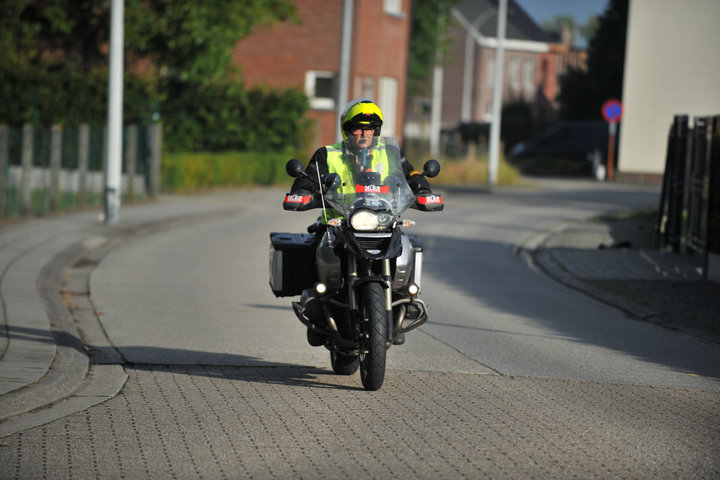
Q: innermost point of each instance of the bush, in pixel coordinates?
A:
(69, 97)
(224, 116)
(187, 172)
(219, 116)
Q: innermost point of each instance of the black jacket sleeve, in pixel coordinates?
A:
(418, 183)
(317, 162)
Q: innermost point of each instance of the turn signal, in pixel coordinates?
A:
(408, 223)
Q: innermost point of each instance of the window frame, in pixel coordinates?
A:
(320, 103)
(393, 7)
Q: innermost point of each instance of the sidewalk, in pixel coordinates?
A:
(614, 262)
(45, 368)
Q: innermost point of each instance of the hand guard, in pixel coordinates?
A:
(300, 200)
(426, 201)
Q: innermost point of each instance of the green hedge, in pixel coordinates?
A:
(219, 116)
(186, 172)
(224, 116)
(68, 97)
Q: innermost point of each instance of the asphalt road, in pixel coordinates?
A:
(198, 295)
(514, 376)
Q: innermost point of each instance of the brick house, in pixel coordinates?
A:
(307, 56)
(534, 60)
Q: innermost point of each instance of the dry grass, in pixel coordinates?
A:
(469, 170)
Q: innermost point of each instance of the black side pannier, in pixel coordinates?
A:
(292, 263)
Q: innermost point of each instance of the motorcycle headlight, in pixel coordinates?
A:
(364, 220)
(369, 220)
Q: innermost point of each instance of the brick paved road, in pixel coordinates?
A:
(273, 419)
(295, 422)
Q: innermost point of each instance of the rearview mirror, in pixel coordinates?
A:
(294, 167)
(431, 168)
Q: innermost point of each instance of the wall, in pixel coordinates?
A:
(381, 50)
(672, 66)
(281, 54)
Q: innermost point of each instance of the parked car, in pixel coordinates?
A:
(567, 148)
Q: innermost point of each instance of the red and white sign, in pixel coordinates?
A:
(291, 198)
(612, 111)
(430, 199)
(372, 189)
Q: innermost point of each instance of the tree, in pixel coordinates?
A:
(582, 93)
(54, 62)
(428, 33)
(566, 23)
(561, 24)
(194, 40)
(589, 29)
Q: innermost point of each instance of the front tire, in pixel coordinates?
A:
(373, 348)
(344, 364)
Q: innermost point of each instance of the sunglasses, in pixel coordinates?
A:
(361, 128)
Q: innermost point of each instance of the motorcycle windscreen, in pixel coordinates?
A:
(371, 177)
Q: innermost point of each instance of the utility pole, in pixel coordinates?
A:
(437, 94)
(497, 96)
(436, 110)
(113, 172)
(345, 54)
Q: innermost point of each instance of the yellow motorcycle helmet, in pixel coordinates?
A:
(361, 112)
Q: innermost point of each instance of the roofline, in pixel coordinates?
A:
(491, 42)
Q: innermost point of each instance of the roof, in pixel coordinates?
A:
(519, 24)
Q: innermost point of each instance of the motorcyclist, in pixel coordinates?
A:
(360, 124)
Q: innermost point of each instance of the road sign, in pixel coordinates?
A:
(612, 111)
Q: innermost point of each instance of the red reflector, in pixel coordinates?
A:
(372, 189)
(298, 198)
(430, 199)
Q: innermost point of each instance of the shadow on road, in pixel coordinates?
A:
(188, 362)
(489, 272)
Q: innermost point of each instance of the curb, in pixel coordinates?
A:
(541, 258)
(538, 257)
(79, 376)
(546, 262)
(71, 381)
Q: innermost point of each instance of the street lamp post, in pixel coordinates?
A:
(113, 169)
(497, 96)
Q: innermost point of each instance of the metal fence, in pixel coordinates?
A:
(45, 170)
(689, 215)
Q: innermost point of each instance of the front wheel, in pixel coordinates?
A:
(373, 348)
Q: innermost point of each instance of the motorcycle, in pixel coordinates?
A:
(357, 272)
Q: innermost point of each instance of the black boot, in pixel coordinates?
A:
(315, 339)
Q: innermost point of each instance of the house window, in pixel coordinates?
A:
(487, 116)
(514, 73)
(490, 70)
(529, 74)
(388, 104)
(320, 89)
(393, 7)
(368, 88)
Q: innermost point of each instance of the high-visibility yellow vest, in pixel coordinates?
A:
(335, 163)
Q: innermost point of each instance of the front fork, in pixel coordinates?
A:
(353, 294)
